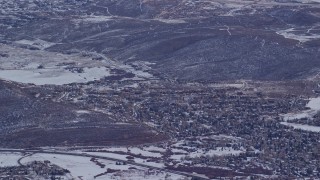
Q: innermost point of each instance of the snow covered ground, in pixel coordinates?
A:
(79, 167)
(9, 159)
(303, 127)
(93, 19)
(83, 168)
(314, 105)
(38, 43)
(300, 36)
(220, 151)
(182, 149)
(300, 115)
(40, 67)
(55, 76)
(225, 85)
(172, 21)
(150, 155)
(124, 157)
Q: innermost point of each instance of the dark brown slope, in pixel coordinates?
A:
(26, 121)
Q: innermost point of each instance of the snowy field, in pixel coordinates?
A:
(220, 151)
(148, 151)
(301, 36)
(314, 105)
(40, 67)
(79, 167)
(172, 21)
(160, 156)
(38, 43)
(124, 157)
(83, 168)
(9, 159)
(303, 127)
(56, 76)
(93, 19)
(181, 151)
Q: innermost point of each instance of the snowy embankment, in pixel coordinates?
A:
(314, 105)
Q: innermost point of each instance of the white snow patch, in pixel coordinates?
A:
(83, 112)
(289, 34)
(94, 19)
(300, 115)
(151, 124)
(43, 67)
(56, 76)
(172, 21)
(114, 149)
(178, 151)
(9, 159)
(31, 66)
(235, 85)
(177, 157)
(79, 167)
(139, 73)
(303, 127)
(221, 151)
(313, 104)
(154, 148)
(38, 43)
(83, 168)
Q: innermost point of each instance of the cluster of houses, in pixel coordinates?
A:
(184, 111)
